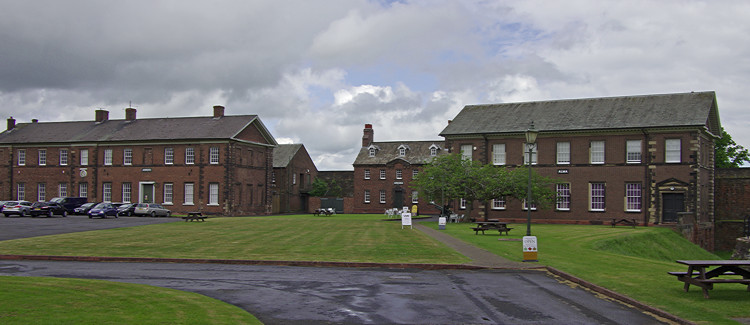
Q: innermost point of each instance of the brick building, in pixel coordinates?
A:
(383, 172)
(648, 158)
(732, 205)
(216, 164)
(291, 181)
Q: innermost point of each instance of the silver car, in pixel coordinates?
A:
(151, 209)
(21, 208)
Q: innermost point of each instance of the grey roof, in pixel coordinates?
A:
(197, 128)
(284, 153)
(418, 152)
(695, 109)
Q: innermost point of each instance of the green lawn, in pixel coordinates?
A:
(633, 262)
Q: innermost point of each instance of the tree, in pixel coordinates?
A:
(728, 154)
(319, 188)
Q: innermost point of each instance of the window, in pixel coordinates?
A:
(189, 193)
(213, 155)
(127, 157)
(367, 174)
(62, 190)
(672, 151)
(42, 157)
(382, 174)
(273, 177)
(399, 174)
(168, 156)
(41, 192)
(372, 152)
(499, 203)
(107, 192)
(63, 157)
(21, 193)
(433, 151)
(597, 152)
(168, 193)
(466, 151)
(367, 196)
(498, 154)
(294, 179)
(462, 204)
(414, 173)
(633, 155)
(563, 153)
(126, 192)
(526, 206)
(414, 197)
(633, 197)
(382, 196)
(563, 197)
(596, 196)
(84, 157)
(401, 151)
(21, 157)
(107, 157)
(533, 154)
(213, 194)
(83, 190)
(189, 156)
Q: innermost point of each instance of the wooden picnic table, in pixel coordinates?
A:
(327, 212)
(194, 216)
(490, 225)
(699, 276)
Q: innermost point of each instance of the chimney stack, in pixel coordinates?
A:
(367, 136)
(130, 114)
(11, 123)
(34, 121)
(218, 111)
(102, 115)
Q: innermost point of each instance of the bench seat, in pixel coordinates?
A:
(695, 273)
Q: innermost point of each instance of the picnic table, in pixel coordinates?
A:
(490, 225)
(697, 274)
(327, 212)
(194, 216)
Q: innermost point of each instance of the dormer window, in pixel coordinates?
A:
(372, 152)
(402, 150)
(372, 149)
(434, 150)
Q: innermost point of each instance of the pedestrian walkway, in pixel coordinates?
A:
(479, 257)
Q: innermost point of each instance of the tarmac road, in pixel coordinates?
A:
(331, 295)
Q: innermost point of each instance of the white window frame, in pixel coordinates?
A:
(563, 153)
(107, 157)
(399, 174)
(433, 151)
(382, 196)
(213, 155)
(633, 197)
(63, 157)
(84, 157)
(21, 157)
(382, 174)
(597, 152)
(213, 194)
(499, 203)
(294, 179)
(107, 192)
(367, 174)
(526, 206)
(42, 158)
(562, 202)
(498, 154)
(367, 196)
(168, 193)
(21, 191)
(534, 153)
(127, 192)
(62, 189)
(401, 151)
(633, 151)
(169, 156)
(414, 173)
(41, 192)
(467, 151)
(597, 196)
(189, 194)
(83, 189)
(190, 156)
(371, 152)
(672, 151)
(127, 156)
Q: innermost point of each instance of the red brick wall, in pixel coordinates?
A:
(390, 185)
(732, 205)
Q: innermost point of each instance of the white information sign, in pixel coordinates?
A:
(406, 220)
(441, 223)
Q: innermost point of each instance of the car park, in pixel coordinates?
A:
(70, 203)
(84, 209)
(126, 209)
(20, 208)
(151, 209)
(102, 210)
(48, 209)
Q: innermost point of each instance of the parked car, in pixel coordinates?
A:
(151, 209)
(102, 210)
(84, 209)
(126, 209)
(70, 203)
(21, 208)
(48, 209)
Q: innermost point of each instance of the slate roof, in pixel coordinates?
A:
(284, 153)
(695, 109)
(418, 152)
(182, 128)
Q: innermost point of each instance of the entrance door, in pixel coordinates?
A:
(147, 193)
(398, 198)
(672, 203)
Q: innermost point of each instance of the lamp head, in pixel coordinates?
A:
(531, 134)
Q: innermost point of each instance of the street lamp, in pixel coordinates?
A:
(531, 134)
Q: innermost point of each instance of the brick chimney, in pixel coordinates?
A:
(102, 115)
(130, 114)
(218, 111)
(11, 123)
(367, 136)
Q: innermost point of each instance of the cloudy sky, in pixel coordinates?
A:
(317, 71)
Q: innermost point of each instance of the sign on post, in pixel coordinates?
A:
(441, 223)
(530, 249)
(406, 220)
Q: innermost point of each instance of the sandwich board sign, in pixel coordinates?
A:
(441, 223)
(530, 249)
(406, 220)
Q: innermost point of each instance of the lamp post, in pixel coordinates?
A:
(529, 242)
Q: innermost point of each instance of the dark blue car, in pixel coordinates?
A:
(102, 210)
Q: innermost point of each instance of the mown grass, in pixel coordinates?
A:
(32, 300)
(633, 262)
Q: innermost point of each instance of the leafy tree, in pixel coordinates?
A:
(728, 154)
(319, 188)
(334, 189)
